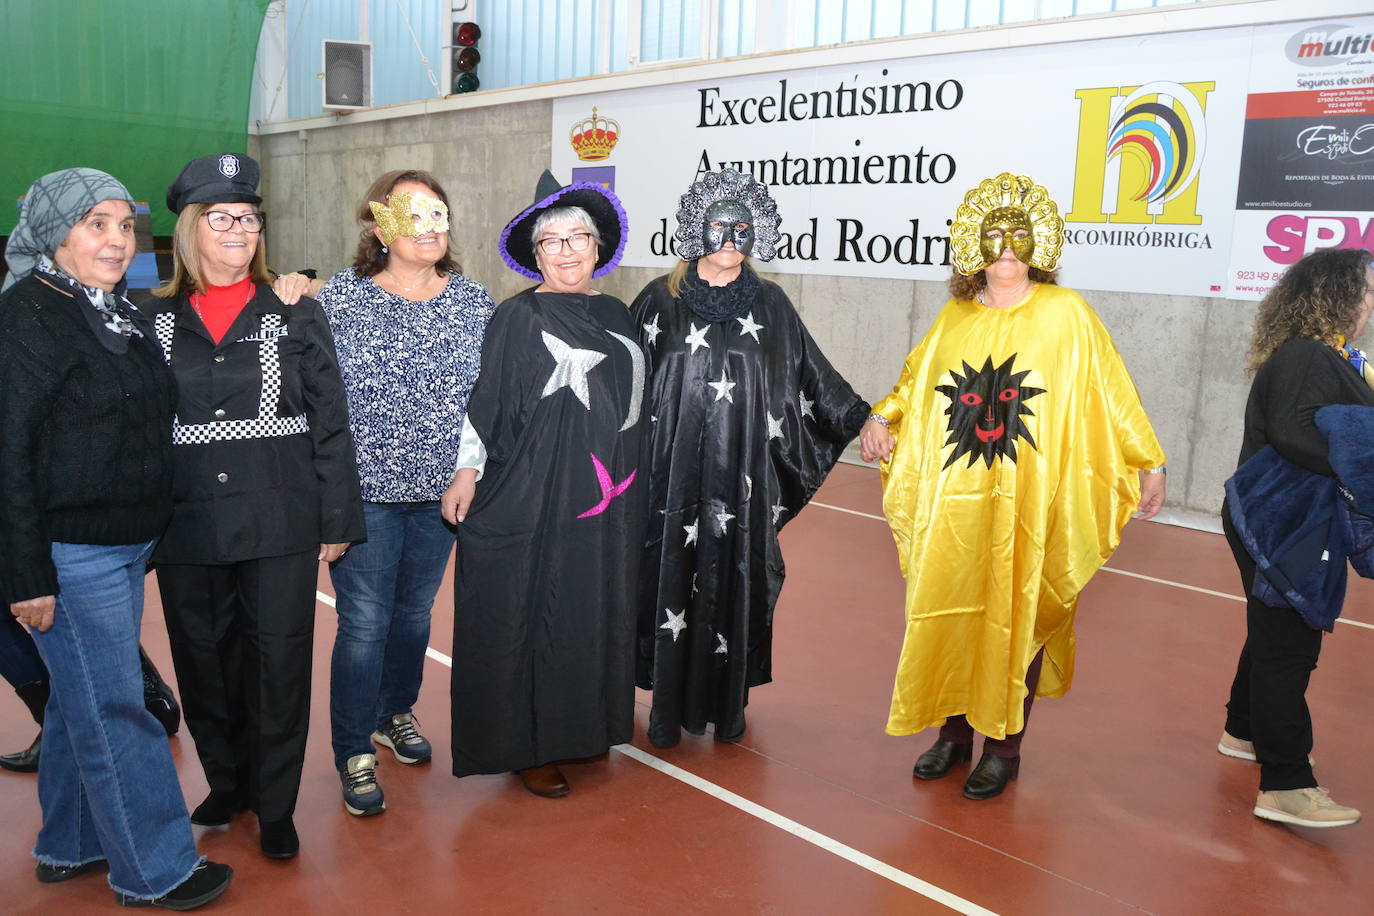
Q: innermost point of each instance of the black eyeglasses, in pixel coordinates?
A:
(578, 241)
(223, 222)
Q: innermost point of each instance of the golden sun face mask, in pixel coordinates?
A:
(1002, 206)
(1006, 227)
(409, 215)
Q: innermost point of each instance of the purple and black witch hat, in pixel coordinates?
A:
(517, 245)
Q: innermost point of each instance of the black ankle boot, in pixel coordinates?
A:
(158, 697)
(218, 809)
(942, 756)
(278, 839)
(991, 776)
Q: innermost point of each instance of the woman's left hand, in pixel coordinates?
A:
(289, 288)
(36, 612)
(331, 552)
(1151, 495)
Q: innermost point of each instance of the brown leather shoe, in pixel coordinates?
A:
(546, 781)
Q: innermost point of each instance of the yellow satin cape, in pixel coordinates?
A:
(995, 557)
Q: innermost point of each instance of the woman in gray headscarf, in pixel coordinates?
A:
(86, 407)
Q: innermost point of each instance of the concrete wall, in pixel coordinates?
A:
(1186, 354)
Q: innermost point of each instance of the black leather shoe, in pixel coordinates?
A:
(279, 839)
(990, 777)
(218, 809)
(25, 761)
(54, 874)
(943, 755)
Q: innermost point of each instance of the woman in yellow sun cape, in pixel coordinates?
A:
(1013, 441)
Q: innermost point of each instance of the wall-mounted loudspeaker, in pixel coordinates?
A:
(347, 75)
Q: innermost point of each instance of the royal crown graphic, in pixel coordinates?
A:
(594, 138)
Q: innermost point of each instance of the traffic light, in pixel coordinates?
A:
(466, 57)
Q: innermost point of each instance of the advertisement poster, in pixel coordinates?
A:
(1137, 139)
(1191, 163)
(1307, 158)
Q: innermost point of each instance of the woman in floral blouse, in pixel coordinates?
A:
(408, 327)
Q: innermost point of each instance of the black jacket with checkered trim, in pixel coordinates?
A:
(263, 457)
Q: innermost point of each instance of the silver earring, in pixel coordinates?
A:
(384, 249)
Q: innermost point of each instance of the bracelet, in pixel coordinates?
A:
(1159, 470)
(878, 418)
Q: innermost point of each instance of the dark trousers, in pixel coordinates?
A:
(20, 663)
(1268, 702)
(242, 638)
(957, 730)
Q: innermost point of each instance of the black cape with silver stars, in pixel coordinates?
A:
(746, 418)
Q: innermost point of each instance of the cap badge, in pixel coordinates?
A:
(228, 165)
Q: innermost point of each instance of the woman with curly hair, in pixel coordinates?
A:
(748, 418)
(1302, 363)
(1015, 448)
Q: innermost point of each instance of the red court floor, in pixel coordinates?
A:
(1123, 804)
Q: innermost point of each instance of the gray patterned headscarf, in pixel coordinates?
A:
(55, 203)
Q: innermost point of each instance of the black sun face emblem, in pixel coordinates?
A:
(985, 410)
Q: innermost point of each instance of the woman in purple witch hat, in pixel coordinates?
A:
(549, 509)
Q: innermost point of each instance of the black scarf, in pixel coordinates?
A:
(719, 303)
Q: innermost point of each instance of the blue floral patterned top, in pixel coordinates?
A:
(408, 368)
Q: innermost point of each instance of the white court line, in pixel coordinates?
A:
(878, 518)
(768, 816)
(1119, 572)
(832, 846)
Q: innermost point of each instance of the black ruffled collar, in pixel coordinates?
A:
(719, 303)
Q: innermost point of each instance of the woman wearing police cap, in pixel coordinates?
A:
(749, 417)
(265, 487)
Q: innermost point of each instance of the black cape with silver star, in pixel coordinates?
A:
(543, 635)
(746, 418)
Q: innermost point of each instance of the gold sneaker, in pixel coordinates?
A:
(1305, 808)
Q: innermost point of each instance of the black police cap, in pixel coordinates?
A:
(229, 178)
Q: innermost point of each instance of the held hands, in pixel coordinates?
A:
(875, 441)
(1151, 495)
(454, 504)
(37, 613)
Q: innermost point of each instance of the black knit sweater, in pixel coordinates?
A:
(85, 436)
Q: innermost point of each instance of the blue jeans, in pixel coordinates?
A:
(20, 663)
(107, 785)
(384, 589)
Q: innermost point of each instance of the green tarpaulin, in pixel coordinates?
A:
(133, 87)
